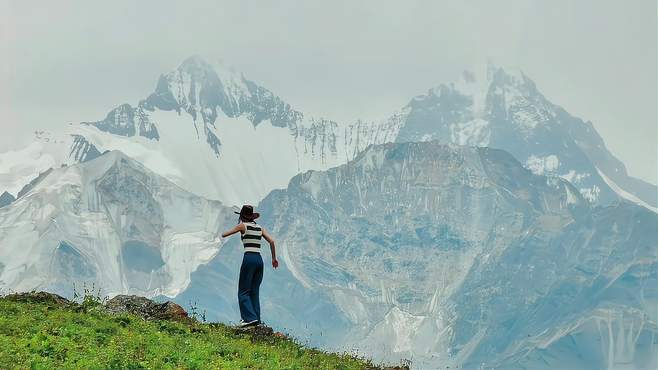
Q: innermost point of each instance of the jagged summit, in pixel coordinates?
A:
(503, 108)
(205, 68)
(476, 94)
(193, 128)
(201, 89)
(204, 91)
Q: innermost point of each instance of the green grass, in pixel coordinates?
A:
(47, 335)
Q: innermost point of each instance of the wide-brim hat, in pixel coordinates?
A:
(247, 213)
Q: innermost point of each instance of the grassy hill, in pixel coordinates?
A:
(43, 331)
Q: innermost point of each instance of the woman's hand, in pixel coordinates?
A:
(270, 240)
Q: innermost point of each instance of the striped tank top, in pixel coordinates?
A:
(252, 236)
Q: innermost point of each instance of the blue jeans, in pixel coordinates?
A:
(251, 275)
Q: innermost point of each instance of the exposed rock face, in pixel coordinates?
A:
(82, 150)
(464, 258)
(29, 186)
(146, 308)
(127, 121)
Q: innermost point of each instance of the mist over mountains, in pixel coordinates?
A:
(479, 225)
(201, 110)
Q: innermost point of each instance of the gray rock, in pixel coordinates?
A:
(127, 121)
(6, 199)
(147, 308)
(82, 150)
(29, 186)
(38, 297)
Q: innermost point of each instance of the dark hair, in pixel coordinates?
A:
(240, 219)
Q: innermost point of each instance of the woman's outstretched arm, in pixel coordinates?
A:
(238, 228)
(270, 240)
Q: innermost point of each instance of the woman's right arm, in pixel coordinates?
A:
(238, 228)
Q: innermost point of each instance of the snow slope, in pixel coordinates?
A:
(17, 168)
(624, 194)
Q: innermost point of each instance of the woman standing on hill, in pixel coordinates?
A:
(251, 271)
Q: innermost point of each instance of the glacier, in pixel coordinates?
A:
(110, 223)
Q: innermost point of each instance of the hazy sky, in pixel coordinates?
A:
(69, 61)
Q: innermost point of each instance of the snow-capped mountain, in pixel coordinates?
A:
(505, 110)
(455, 256)
(220, 135)
(108, 222)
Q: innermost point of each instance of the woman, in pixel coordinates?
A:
(251, 271)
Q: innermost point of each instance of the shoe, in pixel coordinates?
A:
(244, 324)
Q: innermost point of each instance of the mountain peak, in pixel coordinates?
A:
(202, 67)
(431, 165)
(207, 62)
(203, 89)
(489, 105)
(195, 61)
(486, 75)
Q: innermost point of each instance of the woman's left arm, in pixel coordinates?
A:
(270, 240)
(238, 228)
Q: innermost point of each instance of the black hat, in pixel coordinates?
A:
(247, 213)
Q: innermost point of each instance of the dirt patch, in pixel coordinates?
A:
(402, 367)
(259, 333)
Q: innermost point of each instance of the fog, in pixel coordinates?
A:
(70, 61)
